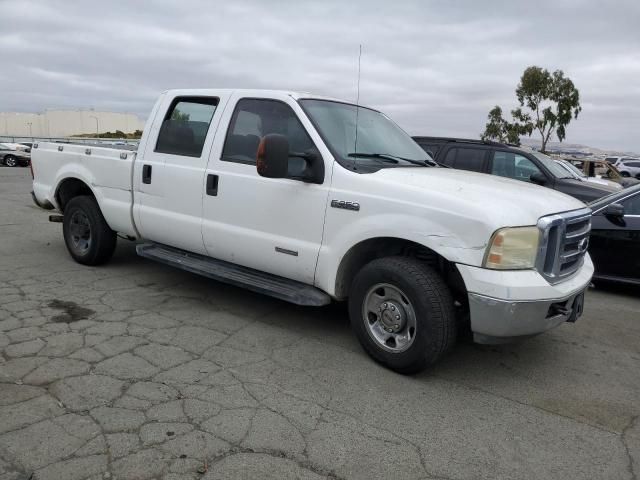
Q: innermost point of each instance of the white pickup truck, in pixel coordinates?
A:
(311, 199)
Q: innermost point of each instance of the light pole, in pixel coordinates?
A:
(30, 129)
(97, 125)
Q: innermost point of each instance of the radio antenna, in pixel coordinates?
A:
(355, 146)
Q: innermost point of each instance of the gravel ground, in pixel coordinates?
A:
(135, 370)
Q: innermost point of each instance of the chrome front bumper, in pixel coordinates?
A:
(495, 320)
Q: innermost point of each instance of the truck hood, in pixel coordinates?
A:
(496, 201)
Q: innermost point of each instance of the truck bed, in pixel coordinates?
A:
(107, 171)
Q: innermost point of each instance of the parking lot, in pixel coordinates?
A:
(136, 370)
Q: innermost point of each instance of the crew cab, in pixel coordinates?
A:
(276, 192)
(510, 162)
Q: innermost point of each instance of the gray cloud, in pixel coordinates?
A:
(436, 67)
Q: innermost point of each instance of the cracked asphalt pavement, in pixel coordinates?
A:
(135, 370)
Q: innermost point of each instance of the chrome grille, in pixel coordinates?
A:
(565, 238)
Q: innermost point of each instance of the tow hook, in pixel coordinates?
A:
(56, 218)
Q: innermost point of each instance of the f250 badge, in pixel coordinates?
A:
(345, 205)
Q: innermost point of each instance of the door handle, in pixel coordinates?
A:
(212, 185)
(146, 174)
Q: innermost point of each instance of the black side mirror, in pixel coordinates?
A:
(272, 159)
(314, 166)
(615, 210)
(538, 178)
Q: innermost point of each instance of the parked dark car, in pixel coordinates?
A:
(614, 244)
(508, 161)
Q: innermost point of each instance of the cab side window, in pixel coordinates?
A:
(466, 159)
(255, 118)
(185, 126)
(512, 165)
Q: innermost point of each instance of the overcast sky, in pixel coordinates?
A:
(436, 67)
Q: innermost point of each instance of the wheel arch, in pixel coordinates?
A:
(71, 187)
(373, 248)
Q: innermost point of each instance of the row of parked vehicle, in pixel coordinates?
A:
(15, 154)
(605, 185)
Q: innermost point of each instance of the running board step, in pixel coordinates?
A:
(254, 280)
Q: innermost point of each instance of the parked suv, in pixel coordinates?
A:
(629, 167)
(507, 161)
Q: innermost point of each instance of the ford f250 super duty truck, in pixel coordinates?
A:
(310, 199)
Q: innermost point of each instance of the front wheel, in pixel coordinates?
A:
(402, 313)
(10, 161)
(89, 239)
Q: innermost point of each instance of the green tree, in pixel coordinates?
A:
(179, 116)
(500, 130)
(548, 103)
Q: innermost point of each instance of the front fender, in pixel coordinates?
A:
(467, 249)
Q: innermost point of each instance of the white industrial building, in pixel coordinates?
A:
(63, 123)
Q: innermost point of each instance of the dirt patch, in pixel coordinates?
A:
(71, 311)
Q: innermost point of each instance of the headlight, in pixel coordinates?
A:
(512, 249)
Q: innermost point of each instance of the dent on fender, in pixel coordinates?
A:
(453, 243)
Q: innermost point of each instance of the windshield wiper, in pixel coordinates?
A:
(389, 157)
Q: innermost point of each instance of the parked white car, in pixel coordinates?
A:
(629, 167)
(271, 191)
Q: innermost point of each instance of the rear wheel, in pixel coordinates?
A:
(10, 161)
(89, 239)
(402, 313)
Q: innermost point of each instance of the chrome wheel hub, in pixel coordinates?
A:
(389, 317)
(80, 232)
(392, 317)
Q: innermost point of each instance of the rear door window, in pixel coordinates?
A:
(472, 159)
(185, 126)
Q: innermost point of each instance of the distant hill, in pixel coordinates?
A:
(575, 147)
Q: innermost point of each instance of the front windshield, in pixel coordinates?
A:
(570, 166)
(611, 171)
(556, 170)
(377, 135)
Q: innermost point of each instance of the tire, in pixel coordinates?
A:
(393, 287)
(89, 239)
(625, 174)
(10, 161)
